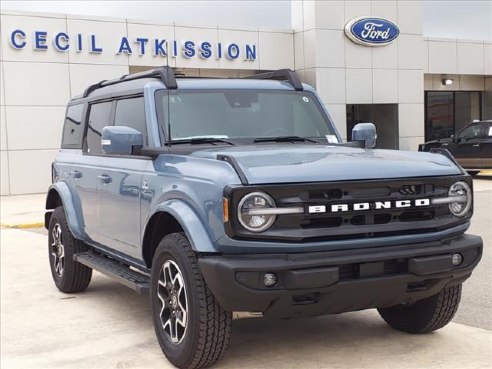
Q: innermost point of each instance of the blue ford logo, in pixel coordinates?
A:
(371, 31)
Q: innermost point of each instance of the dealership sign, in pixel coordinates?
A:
(63, 42)
(370, 31)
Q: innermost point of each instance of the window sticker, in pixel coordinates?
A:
(305, 98)
(332, 139)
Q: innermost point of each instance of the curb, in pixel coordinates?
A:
(21, 226)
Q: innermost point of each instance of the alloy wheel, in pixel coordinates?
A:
(58, 250)
(171, 291)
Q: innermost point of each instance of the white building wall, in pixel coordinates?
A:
(451, 56)
(36, 85)
(345, 73)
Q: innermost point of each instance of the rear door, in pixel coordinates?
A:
(120, 185)
(72, 136)
(86, 166)
(468, 146)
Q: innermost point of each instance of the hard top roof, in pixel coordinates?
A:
(134, 84)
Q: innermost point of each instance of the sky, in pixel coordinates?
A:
(466, 19)
(458, 19)
(249, 13)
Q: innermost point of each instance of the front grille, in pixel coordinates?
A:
(353, 224)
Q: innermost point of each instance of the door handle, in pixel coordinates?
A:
(76, 174)
(104, 178)
(476, 145)
(145, 187)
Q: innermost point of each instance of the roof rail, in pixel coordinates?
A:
(281, 74)
(165, 74)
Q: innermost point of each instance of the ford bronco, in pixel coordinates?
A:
(217, 196)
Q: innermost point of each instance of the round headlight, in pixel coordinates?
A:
(252, 209)
(463, 194)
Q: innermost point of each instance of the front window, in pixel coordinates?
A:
(470, 133)
(241, 114)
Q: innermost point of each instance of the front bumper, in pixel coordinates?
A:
(332, 282)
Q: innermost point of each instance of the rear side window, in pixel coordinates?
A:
(99, 117)
(73, 129)
(131, 113)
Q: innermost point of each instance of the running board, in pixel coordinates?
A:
(131, 278)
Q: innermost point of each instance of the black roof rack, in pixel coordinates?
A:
(283, 75)
(165, 74)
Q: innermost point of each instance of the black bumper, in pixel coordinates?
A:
(332, 282)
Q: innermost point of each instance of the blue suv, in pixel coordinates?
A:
(217, 196)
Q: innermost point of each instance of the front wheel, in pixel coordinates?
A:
(426, 315)
(193, 330)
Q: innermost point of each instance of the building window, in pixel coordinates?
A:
(448, 112)
(384, 117)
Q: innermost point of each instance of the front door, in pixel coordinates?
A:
(119, 191)
(486, 148)
(120, 185)
(467, 149)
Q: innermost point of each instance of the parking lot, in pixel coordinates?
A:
(109, 326)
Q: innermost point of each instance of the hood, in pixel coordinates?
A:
(263, 164)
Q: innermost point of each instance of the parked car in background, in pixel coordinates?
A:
(471, 146)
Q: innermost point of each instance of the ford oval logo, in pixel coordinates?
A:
(371, 31)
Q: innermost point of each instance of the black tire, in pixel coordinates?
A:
(72, 276)
(473, 173)
(206, 335)
(425, 315)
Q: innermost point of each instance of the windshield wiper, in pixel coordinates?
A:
(199, 140)
(285, 139)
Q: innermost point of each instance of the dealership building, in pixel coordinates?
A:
(413, 87)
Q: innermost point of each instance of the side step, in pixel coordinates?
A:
(131, 278)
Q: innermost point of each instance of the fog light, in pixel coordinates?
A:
(457, 259)
(270, 279)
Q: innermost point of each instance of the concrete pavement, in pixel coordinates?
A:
(109, 326)
(22, 211)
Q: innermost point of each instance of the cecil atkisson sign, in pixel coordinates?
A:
(63, 42)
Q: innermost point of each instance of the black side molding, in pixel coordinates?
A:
(283, 75)
(233, 162)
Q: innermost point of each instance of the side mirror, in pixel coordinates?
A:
(365, 133)
(120, 140)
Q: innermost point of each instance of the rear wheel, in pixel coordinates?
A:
(69, 276)
(425, 315)
(193, 330)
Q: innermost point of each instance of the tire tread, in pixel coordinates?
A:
(214, 328)
(427, 315)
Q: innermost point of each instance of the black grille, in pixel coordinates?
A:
(351, 224)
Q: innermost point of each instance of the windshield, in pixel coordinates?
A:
(230, 114)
